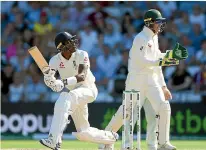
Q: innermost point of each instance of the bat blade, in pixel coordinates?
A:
(38, 58)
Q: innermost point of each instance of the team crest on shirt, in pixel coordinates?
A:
(61, 65)
(85, 59)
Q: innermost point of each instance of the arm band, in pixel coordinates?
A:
(70, 81)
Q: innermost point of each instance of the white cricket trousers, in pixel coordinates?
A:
(72, 103)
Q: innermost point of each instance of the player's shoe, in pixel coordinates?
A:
(49, 143)
(166, 146)
(116, 136)
(108, 146)
(152, 147)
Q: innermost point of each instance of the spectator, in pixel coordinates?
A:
(163, 44)
(138, 22)
(43, 26)
(4, 21)
(78, 15)
(183, 24)
(151, 4)
(16, 89)
(128, 37)
(88, 38)
(121, 74)
(126, 22)
(33, 15)
(24, 6)
(196, 36)
(186, 6)
(28, 38)
(21, 61)
(54, 18)
(172, 33)
(6, 6)
(13, 47)
(191, 50)
(35, 90)
(180, 79)
(167, 8)
(8, 35)
(97, 51)
(6, 79)
(14, 11)
(107, 60)
(111, 38)
(197, 17)
(97, 15)
(201, 54)
(65, 24)
(101, 80)
(19, 23)
(200, 79)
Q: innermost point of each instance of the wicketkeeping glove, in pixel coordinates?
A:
(179, 53)
(168, 62)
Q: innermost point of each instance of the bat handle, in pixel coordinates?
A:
(46, 70)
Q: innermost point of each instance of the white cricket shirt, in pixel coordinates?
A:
(69, 68)
(144, 55)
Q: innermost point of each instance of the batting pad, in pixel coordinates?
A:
(164, 123)
(95, 135)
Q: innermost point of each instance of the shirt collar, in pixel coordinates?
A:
(63, 59)
(148, 32)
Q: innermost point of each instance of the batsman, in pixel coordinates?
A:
(145, 75)
(77, 87)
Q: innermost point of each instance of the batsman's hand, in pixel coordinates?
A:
(57, 86)
(179, 52)
(168, 62)
(49, 80)
(167, 93)
(47, 71)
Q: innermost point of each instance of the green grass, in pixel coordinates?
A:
(77, 145)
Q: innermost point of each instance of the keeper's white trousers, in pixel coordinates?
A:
(153, 100)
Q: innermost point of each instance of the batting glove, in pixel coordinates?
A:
(49, 80)
(57, 86)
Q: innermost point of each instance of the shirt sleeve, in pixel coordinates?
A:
(139, 47)
(161, 79)
(161, 55)
(53, 63)
(84, 58)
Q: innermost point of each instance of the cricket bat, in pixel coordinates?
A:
(39, 59)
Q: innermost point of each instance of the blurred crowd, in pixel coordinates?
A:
(106, 31)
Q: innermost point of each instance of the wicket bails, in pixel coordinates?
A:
(131, 98)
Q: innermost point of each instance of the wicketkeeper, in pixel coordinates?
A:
(77, 87)
(145, 75)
